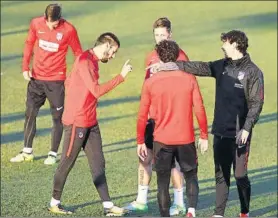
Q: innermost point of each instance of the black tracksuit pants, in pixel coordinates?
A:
(226, 154)
(89, 139)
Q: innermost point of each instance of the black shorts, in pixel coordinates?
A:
(39, 90)
(149, 134)
(165, 155)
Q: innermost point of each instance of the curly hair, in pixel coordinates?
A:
(168, 51)
(236, 36)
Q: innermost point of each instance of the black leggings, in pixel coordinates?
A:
(186, 156)
(37, 93)
(226, 154)
(90, 140)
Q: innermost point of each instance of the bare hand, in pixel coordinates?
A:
(142, 151)
(27, 75)
(153, 67)
(242, 136)
(126, 69)
(203, 145)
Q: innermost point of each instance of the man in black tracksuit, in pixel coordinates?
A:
(239, 102)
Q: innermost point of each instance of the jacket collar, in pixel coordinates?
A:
(242, 61)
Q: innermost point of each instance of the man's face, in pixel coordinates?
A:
(109, 52)
(52, 24)
(228, 48)
(161, 34)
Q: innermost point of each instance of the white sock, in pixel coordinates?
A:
(192, 211)
(107, 204)
(142, 196)
(217, 216)
(52, 153)
(54, 202)
(27, 150)
(178, 197)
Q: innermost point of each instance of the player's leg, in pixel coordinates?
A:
(242, 180)
(94, 153)
(163, 160)
(74, 139)
(144, 173)
(55, 93)
(188, 160)
(178, 206)
(223, 158)
(35, 99)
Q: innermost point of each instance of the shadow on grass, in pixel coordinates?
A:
(18, 136)
(260, 20)
(262, 184)
(12, 117)
(14, 32)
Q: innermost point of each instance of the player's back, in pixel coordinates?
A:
(172, 105)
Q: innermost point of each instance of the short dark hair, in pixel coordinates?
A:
(111, 38)
(168, 51)
(236, 36)
(53, 12)
(162, 22)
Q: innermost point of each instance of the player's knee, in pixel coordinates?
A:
(191, 173)
(57, 114)
(99, 178)
(243, 181)
(31, 112)
(239, 174)
(146, 162)
(98, 167)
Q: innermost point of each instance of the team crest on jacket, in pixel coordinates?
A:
(59, 36)
(241, 75)
(80, 135)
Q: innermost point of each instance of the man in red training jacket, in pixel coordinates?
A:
(162, 30)
(80, 120)
(49, 38)
(172, 96)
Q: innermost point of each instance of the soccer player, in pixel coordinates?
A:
(238, 104)
(161, 31)
(49, 38)
(172, 96)
(80, 120)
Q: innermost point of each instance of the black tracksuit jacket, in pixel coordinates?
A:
(239, 92)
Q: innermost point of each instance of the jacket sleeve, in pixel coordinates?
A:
(92, 85)
(28, 48)
(74, 43)
(197, 68)
(199, 110)
(145, 103)
(255, 100)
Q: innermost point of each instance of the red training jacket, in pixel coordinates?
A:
(83, 91)
(172, 96)
(50, 48)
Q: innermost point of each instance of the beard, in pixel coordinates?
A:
(105, 57)
(104, 60)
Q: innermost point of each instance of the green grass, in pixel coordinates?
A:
(26, 188)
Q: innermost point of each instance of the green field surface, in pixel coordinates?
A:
(26, 188)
